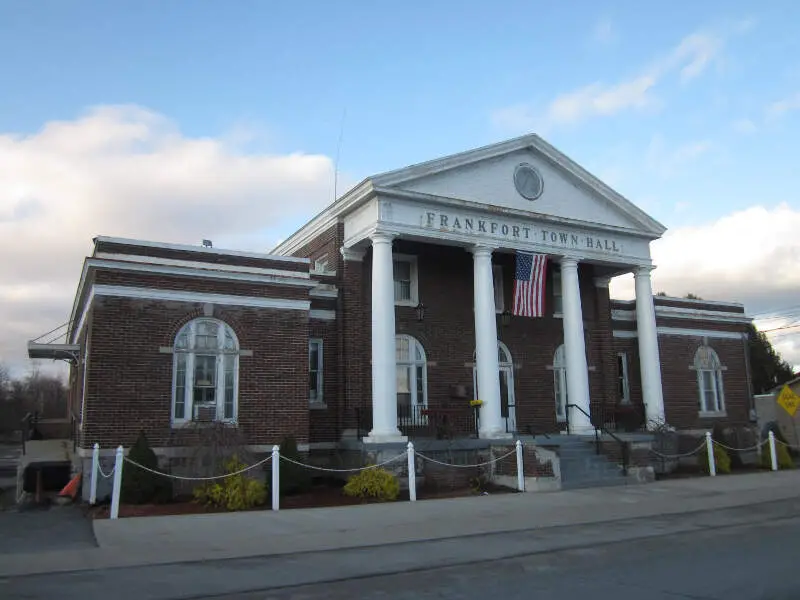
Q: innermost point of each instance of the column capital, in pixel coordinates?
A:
(352, 254)
(568, 262)
(602, 282)
(381, 237)
(643, 270)
(481, 250)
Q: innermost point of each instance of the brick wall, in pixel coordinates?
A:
(130, 381)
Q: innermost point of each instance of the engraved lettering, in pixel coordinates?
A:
(515, 231)
(443, 220)
(468, 224)
(456, 224)
(553, 237)
(494, 227)
(482, 226)
(589, 243)
(574, 239)
(504, 229)
(564, 237)
(431, 216)
(527, 230)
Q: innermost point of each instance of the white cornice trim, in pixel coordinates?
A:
(76, 302)
(677, 299)
(76, 333)
(729, 335)
(301, 280)
(323, 315)
(437, 202)
(200, 297)
(673, 312)
(198, 264)
(324, 220)
(324, 291)
(200, 249)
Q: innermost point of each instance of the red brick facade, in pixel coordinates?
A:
(129, 373)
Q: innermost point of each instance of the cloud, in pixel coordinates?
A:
(781, 107)
(604, 32)
(689, 59)
(128, 171)
(744, 126)
(665, 162)
(749, 256)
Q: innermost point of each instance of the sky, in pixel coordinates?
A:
(238, 121)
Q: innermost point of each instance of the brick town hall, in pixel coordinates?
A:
(478, 276)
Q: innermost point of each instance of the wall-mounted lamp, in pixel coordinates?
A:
(505, 318)
(420, 311)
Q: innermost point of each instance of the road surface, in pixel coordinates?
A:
(747, 553)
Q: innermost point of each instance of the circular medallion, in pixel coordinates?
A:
(528, 182)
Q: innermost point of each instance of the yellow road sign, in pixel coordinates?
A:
(789, 400)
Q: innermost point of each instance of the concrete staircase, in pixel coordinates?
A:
(582, 467)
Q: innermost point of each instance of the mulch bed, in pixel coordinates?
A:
(322, 495)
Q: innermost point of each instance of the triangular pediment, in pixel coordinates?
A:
(487, 176)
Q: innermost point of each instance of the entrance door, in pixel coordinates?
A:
(508, 405)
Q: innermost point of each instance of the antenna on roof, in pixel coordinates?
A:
(207, 243)
(336, 163)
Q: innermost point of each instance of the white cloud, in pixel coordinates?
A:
(750, 256)
(744, 126)
(604, 32)
(128, 171)
(690, 58)
(780, 107)
(665, 162)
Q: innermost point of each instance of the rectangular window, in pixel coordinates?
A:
(230, 361)
(622, 375)
(315, 371)
(205, 379)
(180, 386)
(499, 296)
(405, 280)
(558, 305)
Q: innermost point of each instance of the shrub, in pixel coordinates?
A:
(721, 460)
(295, 479)
(781, 453)
(374, 484)
(140, 486)
(235, 492)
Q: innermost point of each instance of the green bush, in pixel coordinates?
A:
(722, 461)
(140, 486)
(295, 479)
(781, 453)
(236, 492)
(373, 484)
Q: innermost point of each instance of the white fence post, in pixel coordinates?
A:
(115, 494)
(520, 469)
(93, 480)
(412, 473)
(772, 453)
(712, 465)
(276, 477)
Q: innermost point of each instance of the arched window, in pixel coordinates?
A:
(412, 376)
(206, 372)
(709, 380)
(560, 383)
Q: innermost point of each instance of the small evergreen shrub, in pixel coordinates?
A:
(373, 484)
(721, 460)
(294, 478)
(140, 486)
(781, 453)
(236, 492)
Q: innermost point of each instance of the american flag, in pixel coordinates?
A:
(529, 284)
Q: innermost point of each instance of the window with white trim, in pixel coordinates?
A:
(315, 371)
(560, 383)
(711, 396)
(412, 377)
(558, 303)
(405, 280)
(497, 281)
(623, 384)
(205, 372)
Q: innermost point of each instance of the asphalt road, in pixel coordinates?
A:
(746, 553)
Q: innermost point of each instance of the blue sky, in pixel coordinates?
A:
(691, 109)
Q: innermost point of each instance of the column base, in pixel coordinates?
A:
(385, 438)
(497, 434)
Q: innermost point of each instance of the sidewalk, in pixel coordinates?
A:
(163, 540)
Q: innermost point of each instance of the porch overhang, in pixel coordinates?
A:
(68, 352)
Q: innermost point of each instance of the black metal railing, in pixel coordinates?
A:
(445, 421)
(624, 446)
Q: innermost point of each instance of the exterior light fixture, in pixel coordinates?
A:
(420, 311)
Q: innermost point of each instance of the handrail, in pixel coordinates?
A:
(623, 444)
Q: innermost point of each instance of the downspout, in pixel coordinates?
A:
(751, 398)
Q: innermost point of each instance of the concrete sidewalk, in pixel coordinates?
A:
(163, 540)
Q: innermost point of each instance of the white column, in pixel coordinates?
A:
(491, 421)
(384, 370)
(649, 361)
(575, 348)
